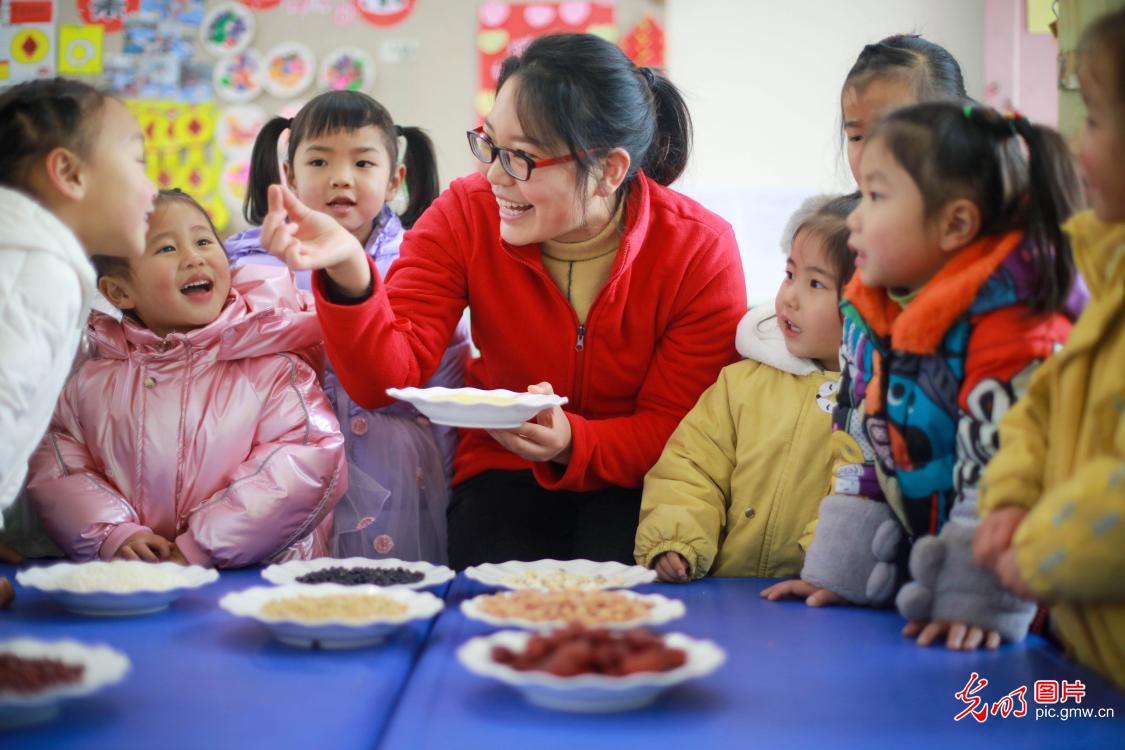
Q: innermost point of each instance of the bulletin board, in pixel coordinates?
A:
(204, 75)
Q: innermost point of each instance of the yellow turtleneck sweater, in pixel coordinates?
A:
(580, 269)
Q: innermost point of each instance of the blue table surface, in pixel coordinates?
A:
(794, 676)
(203, 678)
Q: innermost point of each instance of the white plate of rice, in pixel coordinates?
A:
(118, 587)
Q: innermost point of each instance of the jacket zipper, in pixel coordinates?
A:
(575, 398)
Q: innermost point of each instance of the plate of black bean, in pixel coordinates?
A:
(359, 571)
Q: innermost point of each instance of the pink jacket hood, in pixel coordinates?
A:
(265, 314)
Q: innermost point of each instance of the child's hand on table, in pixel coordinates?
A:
(795, 587)
(178, 557)
(145, 545)
(671, 567)
(994, 535)
(959, 636)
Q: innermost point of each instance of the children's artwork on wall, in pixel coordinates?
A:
(156, 61)
(80, 49)
(109, 14)
(506, 29)
(290, 68)
(28, 38)
(227, 29)
(644, 44)
(347, 69)
(180, 151)
(238, 78)
(384, 12)
(237, 127)
(233, 181)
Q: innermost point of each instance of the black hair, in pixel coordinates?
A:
(112, 265)
(932, 72)
(331, 112)
(581, 92)
(1104, 39)
(39, 116)
(829, 223)
(965, 150)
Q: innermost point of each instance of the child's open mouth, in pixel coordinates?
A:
(341, 205)
(197, 289)
(789, 328)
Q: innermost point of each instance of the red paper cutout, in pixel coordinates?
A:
(384, 18)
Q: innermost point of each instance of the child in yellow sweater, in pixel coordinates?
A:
(736, 490)
(1053, 498)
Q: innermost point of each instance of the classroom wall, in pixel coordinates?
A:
(763, 82)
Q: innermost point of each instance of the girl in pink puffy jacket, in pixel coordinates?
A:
(198, 432)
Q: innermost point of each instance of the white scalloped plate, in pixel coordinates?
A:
(544, 575)
(170, 581)
(588, 693)
(289, 572)
(330, 634)
(497, 409)
(103, 666)
(663, 610)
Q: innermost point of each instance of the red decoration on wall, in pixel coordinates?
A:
(261, 4)
(384, 12)
(645, 44)
(506, 29)
(108, 13)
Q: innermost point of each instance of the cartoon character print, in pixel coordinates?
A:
(978, 430)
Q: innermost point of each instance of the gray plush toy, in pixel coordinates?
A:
(950, 587)
(854, 553)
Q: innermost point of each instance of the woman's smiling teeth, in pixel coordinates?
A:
(510, 210)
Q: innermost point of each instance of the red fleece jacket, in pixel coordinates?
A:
(656, 335)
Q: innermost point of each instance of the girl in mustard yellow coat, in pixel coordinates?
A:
(736, 490)
(1053, 498)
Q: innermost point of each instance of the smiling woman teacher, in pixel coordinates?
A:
(586, 276)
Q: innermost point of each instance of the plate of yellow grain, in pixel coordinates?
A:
(496, 409)
(532, 609)
(330, 615)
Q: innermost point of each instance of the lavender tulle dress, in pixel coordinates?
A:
(400, 465)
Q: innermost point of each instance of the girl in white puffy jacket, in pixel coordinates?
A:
(72, 184)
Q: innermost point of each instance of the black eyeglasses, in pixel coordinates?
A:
(515, 163)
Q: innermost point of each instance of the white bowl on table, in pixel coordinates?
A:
(289, 572)
(328, 632)
(472, 407)
(662, 610)
(129, 587)
(555, 575)
(102, 666)
(588, 693)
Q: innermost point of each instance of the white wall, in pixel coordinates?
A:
(762, 80)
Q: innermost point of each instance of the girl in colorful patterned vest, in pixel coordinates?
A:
(965, 285)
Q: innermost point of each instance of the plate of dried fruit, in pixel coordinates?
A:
(35, 675)
(560, 575)
(544, 610)
(590, 670)
(331, 615)
(357, 571)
